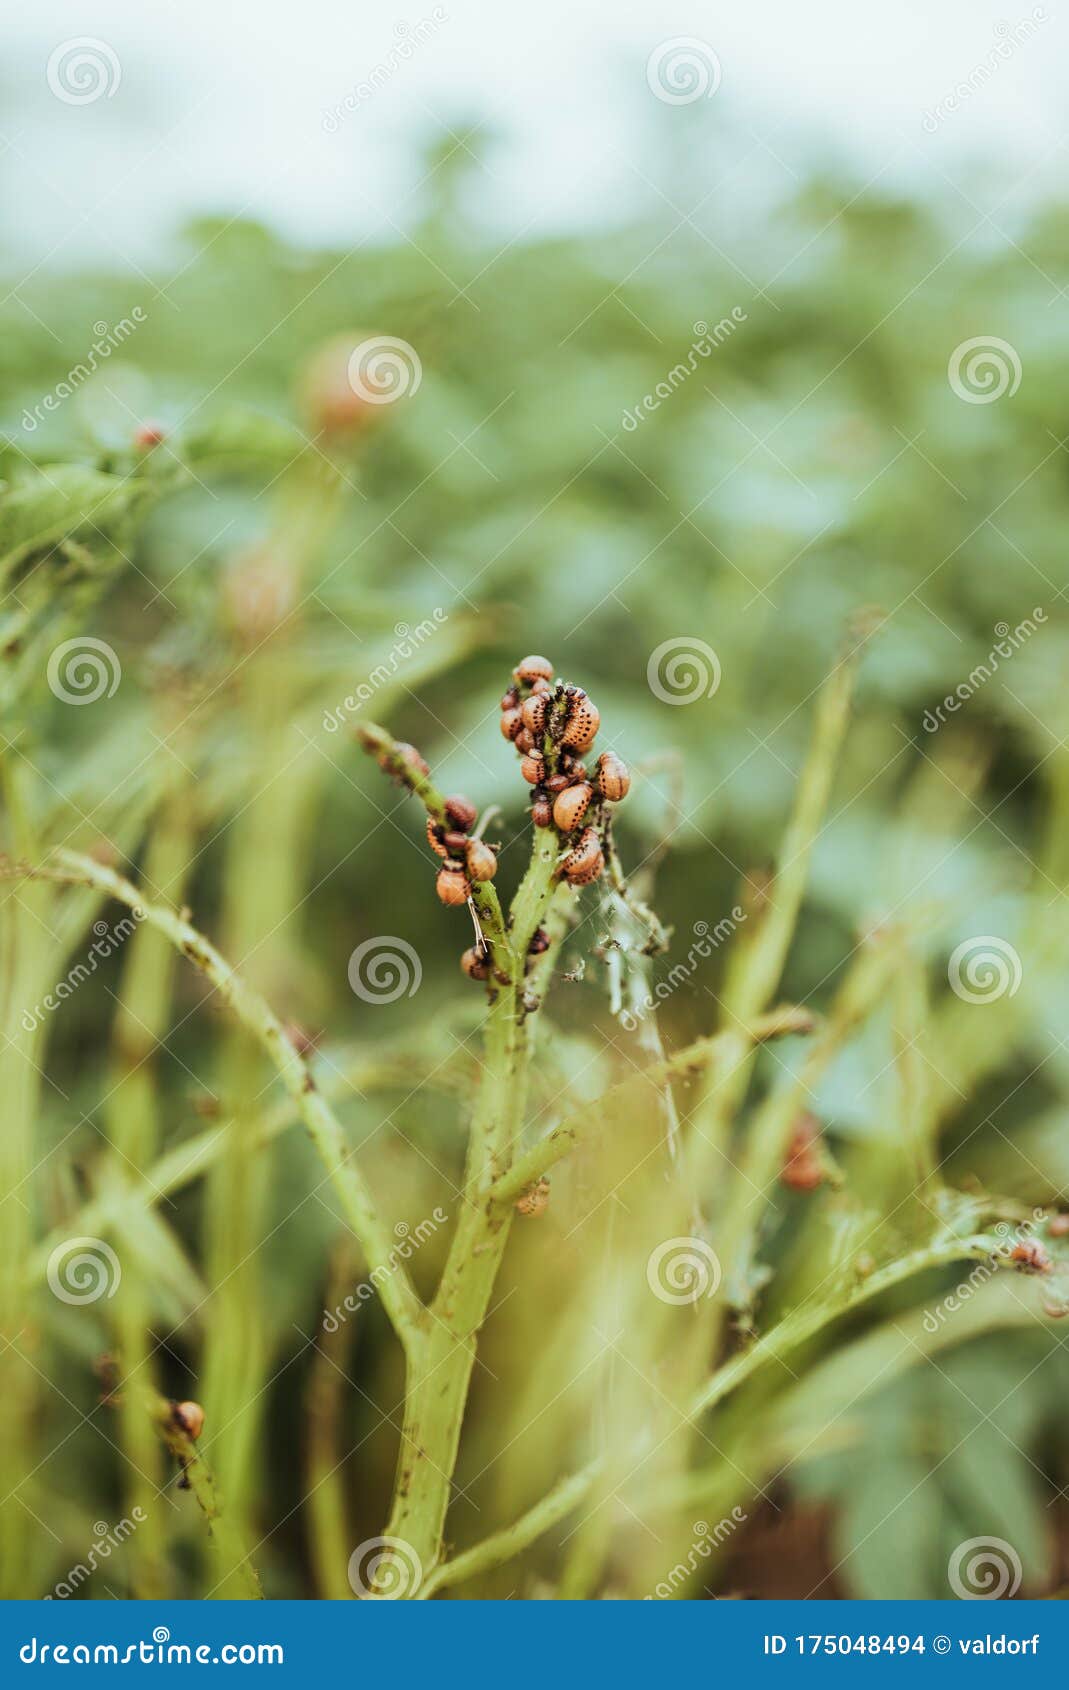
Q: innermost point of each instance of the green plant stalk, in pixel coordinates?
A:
(768, 1135)
(440, 1362)
(185, 1162)
(911, 1017)
(265, 850)
(133, 1126)
(440, 1370)
(581, 1129)
(329, 1544)
(750, 989)
(26, 946)
(237, 1577)
(794, 1330)
(376, 1239)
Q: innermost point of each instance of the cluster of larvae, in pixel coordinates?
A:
(552, 725)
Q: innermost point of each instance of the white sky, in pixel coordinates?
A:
(221, 105)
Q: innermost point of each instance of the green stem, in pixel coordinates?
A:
(329, 1545)
(133, 1126)
(576, 1131)
(237, 1575)
(795, 1329)
(441, 1359)
(376, 1239)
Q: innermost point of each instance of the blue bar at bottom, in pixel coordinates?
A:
(773, 1643)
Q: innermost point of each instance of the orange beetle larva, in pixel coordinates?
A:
(452, 884)
(584, 720)
(460, 812)
(476, 963)
(534, 712)
(532, 669)
(571, 806)
(613, 776)
(586, 862)
(190, 1416)
(482, 861)
(511, 721)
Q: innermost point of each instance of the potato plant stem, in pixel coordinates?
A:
(441, 1367)
(576, 1131)
(237, 1577)
(376, 1239)
(795, 1329)
(133, 1126)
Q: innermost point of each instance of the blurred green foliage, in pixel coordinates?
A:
(816, 463)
